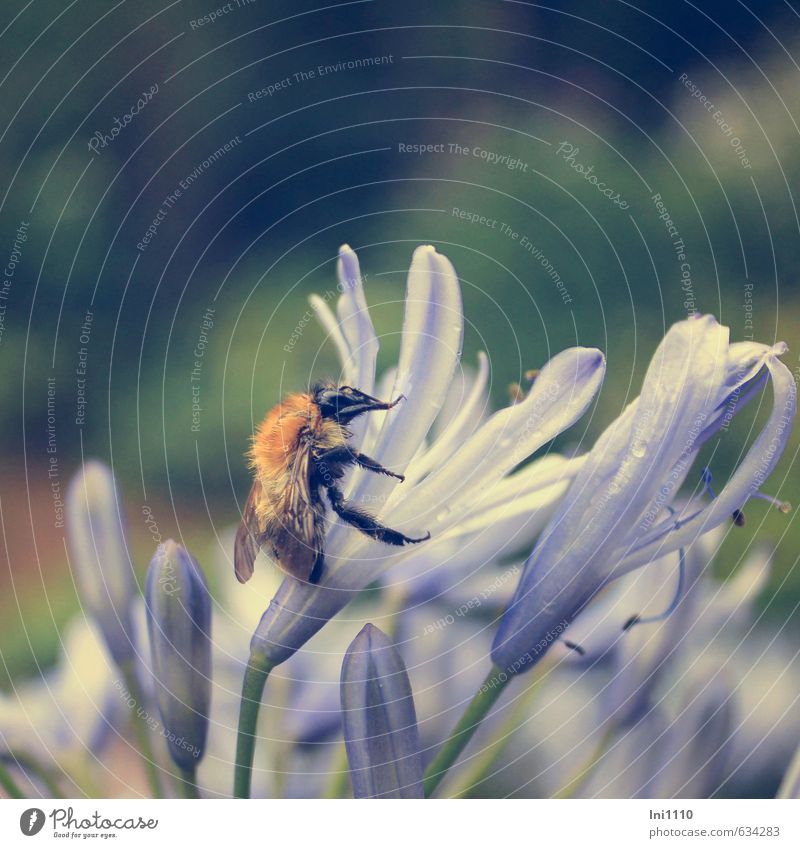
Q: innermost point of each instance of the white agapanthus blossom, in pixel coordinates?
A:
(456, 485)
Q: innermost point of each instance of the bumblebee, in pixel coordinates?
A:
(299, 451)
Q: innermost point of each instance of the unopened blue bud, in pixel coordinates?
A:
(380, 723)
(179, 626)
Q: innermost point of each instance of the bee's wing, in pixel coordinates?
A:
(298, 540)
(249, 537)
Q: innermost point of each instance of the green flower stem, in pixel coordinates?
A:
(8, 784)
(142, 729)
(577, 780)
(255, 677)
(479, 707)
(339, 782)
(484, 763)
(188, 783)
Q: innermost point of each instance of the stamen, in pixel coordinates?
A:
(705, 477)
(738, 515)
(532, 373)
(782, 506)
(655, 619)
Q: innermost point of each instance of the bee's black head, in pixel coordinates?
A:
(344, 403)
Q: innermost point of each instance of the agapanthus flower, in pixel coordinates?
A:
(699, 703)
(179, 626)
(619, 512)
(379, 719)
(459, 483)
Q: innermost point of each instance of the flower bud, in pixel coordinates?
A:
(179, 626)
(380, 723)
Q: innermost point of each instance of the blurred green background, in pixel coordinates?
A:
(315, 158)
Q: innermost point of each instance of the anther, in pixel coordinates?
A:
(515, 393)
(782, 506)
(573, 646)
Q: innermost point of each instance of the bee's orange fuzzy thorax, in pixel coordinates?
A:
(278, 436)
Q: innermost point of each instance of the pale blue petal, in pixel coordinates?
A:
(560, 395)
(429, 353)
(430, 350)
(462, 425)
(355, 321)
(334, 332)
(748, 477)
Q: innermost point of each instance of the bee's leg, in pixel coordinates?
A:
(368, 525)
(373, 465)
(347, 455)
